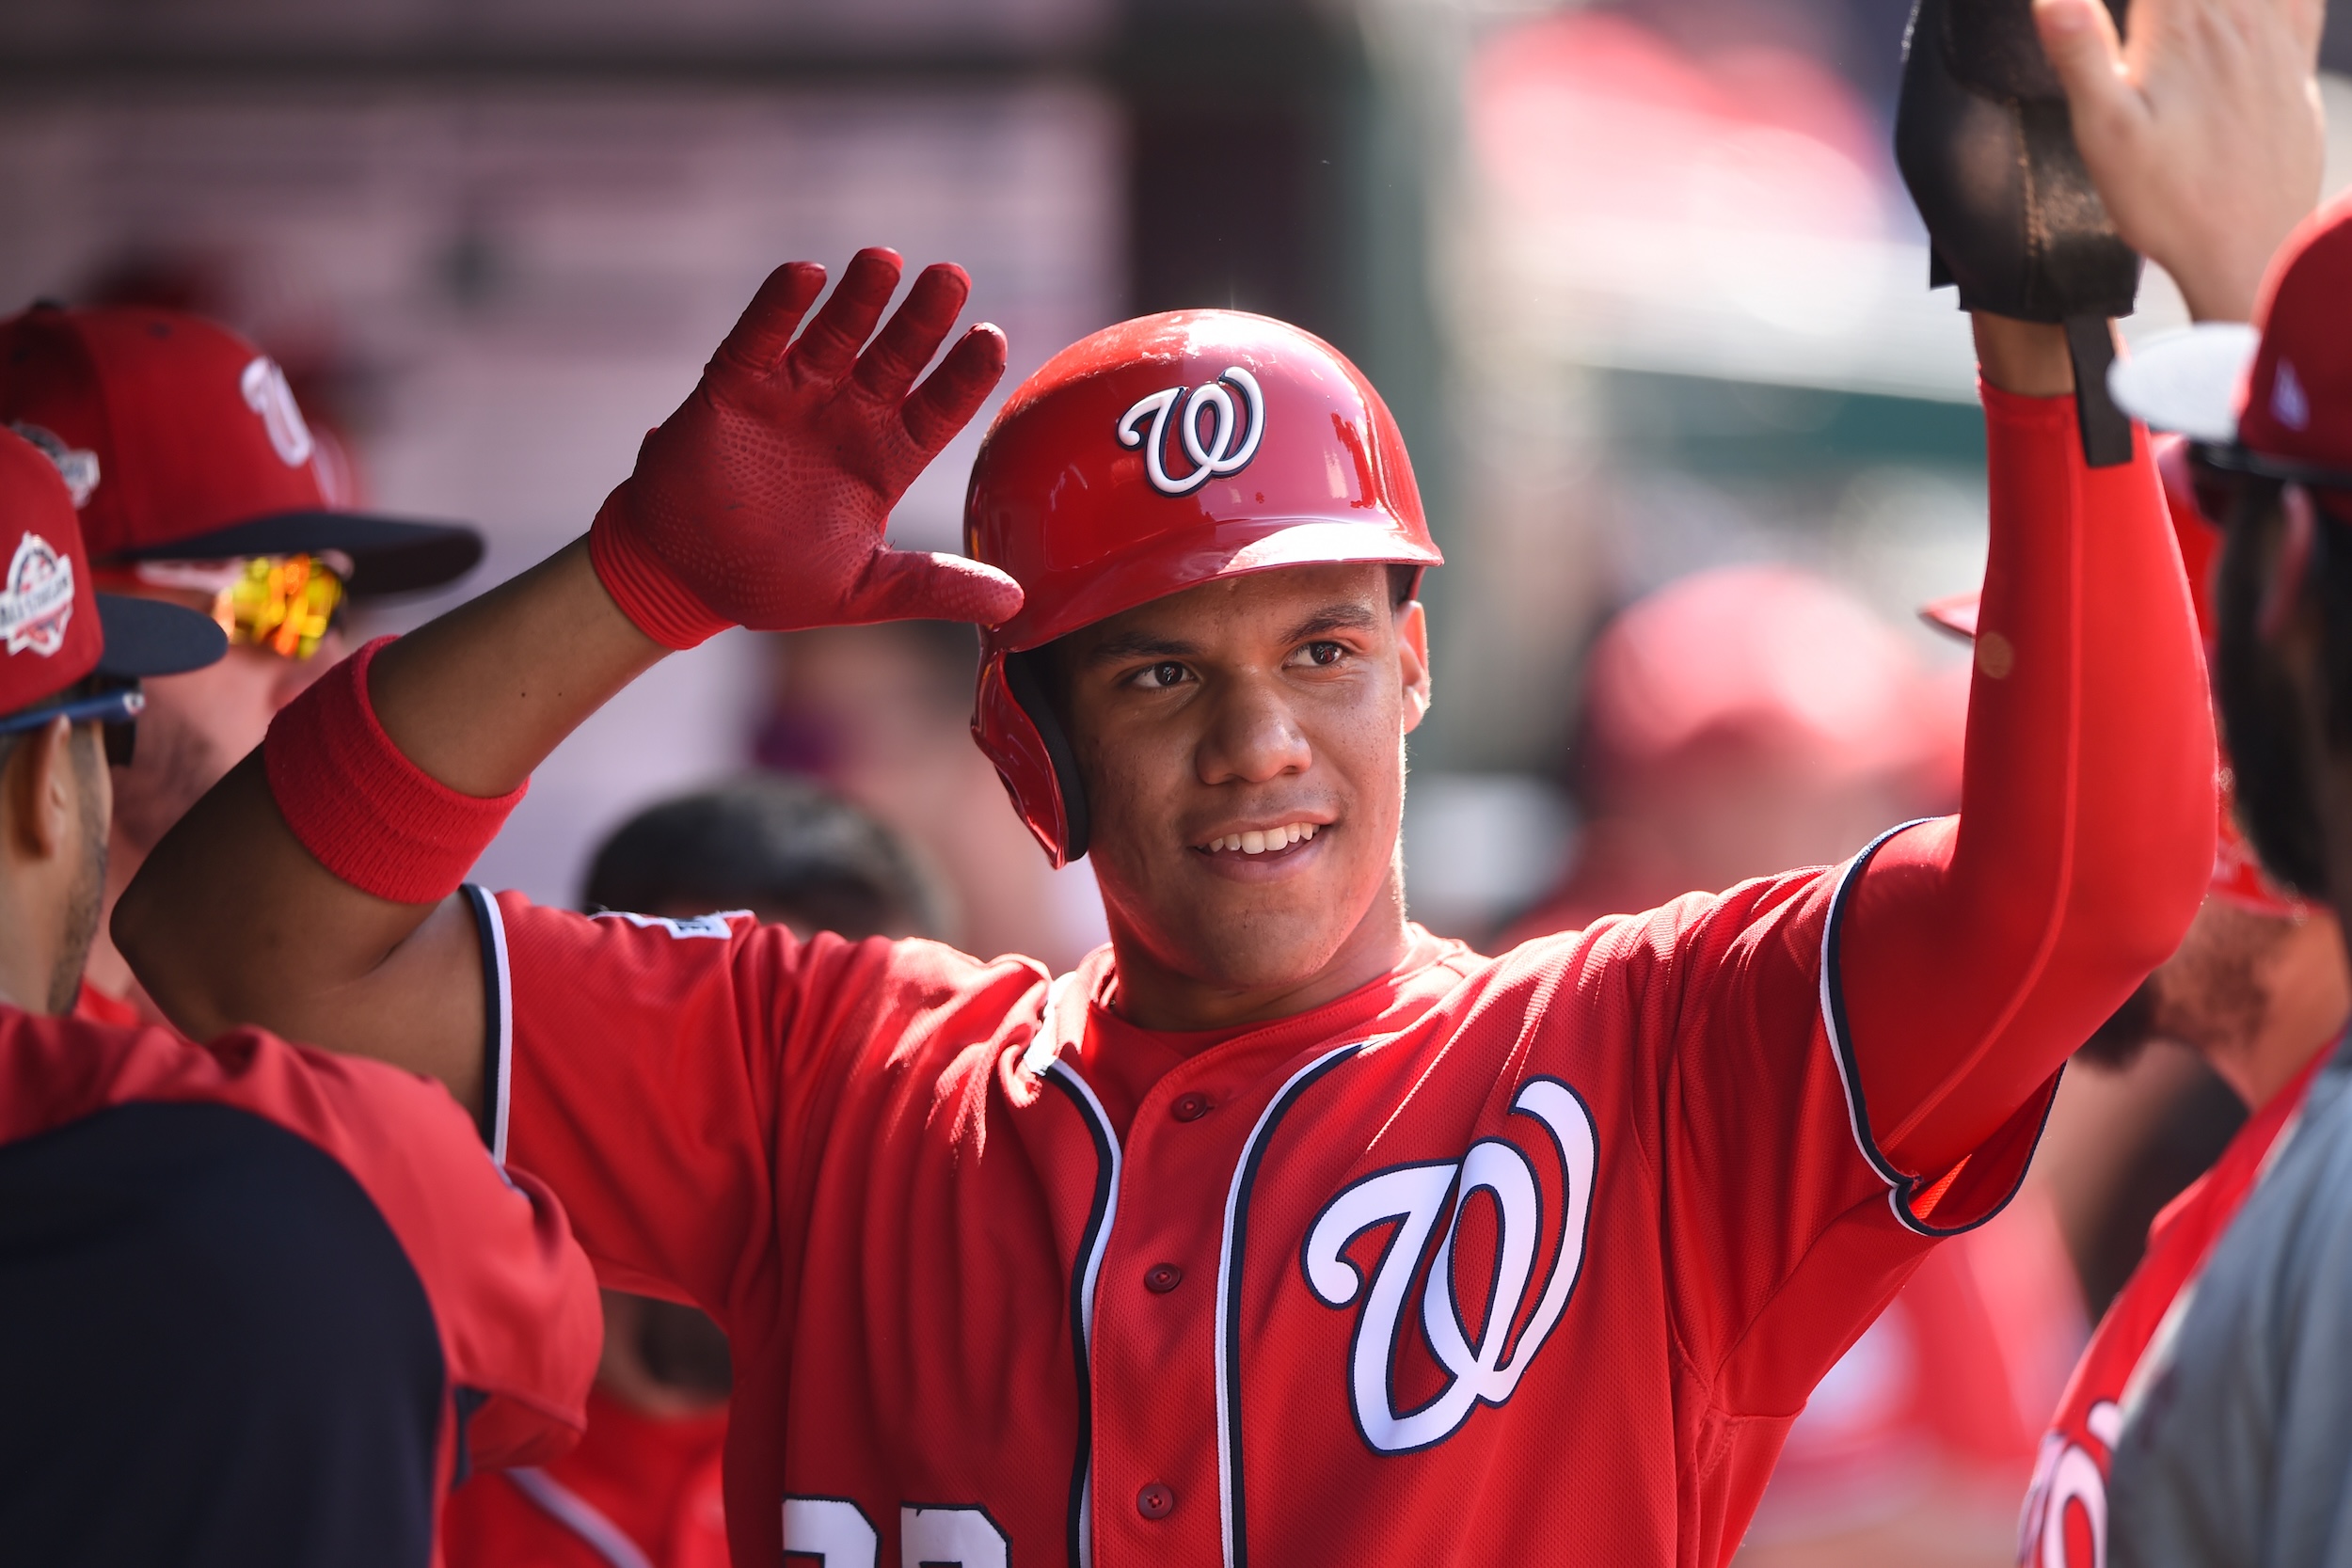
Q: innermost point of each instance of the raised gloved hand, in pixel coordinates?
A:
(1985, 143)
(762, 502)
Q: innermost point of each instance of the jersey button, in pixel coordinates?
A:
(1155, 1501)
(1189, 1107)
(1160, 1279)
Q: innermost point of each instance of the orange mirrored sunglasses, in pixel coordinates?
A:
(283, 603)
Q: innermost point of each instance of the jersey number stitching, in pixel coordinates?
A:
(836, 1532)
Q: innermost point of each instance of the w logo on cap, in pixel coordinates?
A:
(2289, 403)
(266, 394)
(37, 597)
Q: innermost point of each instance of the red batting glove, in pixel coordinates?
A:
(761, 502)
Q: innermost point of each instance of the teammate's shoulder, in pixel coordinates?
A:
(60, 1070)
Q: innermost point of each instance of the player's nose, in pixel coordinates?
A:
(1252, 736)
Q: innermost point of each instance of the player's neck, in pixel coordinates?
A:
(2301, 997)
(1150, 995)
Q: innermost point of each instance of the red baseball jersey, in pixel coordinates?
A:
(93, 1005)
(1531, 1258)
(639, 1491)
(277, 1299)
(2065, 1520)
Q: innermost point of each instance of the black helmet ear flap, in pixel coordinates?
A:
(1025, 677)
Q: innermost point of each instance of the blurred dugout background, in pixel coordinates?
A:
(1638, 279)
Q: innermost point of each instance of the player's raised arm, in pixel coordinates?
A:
(1977, 952)
(761, 501)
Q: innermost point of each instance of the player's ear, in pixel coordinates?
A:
(1412, 655)
(37, 792)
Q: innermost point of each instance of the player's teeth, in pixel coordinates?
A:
(1259, 840)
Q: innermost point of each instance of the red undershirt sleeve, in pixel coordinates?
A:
(1976, 953)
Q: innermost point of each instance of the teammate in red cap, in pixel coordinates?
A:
(199, 482)
(2258, 988)
(2209, 1420)
(1278, 1231)
(260, 1305)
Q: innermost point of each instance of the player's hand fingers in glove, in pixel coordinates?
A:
(2202, 131)
(763, 501)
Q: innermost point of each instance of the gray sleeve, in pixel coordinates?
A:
(2240, 1453)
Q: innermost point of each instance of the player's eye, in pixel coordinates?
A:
(1160, 676)
(1322, 654)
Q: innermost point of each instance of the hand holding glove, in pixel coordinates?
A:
(763, 501)
(2202, 130)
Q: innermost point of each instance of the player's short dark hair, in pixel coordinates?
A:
(784, 847)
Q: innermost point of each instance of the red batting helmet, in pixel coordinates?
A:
(1160, 453)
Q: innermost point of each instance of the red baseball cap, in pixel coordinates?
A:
(2273, 398)
(54, 628)
(181, 441)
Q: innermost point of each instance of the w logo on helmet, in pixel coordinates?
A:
(1232, 434)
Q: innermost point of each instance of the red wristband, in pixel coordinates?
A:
(362, 809)
(646, 590)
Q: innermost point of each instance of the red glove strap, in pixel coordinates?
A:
(368, 813)
(647, 591)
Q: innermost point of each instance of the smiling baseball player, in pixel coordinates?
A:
(1280, 1230)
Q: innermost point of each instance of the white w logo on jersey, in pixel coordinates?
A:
(2068, 1479)
(1414, 1196)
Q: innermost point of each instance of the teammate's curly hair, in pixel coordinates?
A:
(2262, 720)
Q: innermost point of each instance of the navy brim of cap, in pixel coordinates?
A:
(146, 637)
(388, 555)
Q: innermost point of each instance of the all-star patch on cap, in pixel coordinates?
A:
(181, 441)
(54, 627)
(2273, 397)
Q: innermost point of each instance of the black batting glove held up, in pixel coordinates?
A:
(1985, 144)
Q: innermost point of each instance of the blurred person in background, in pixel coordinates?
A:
(258, 1305)
(2210, 1422)
(1739, 722)
(200, 484)
(1733, 722)
(2221, 1430)
(883, 714)
(643, 1489)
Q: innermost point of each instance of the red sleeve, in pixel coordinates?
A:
(1973, 954)
(1783, 1233)
(512, 1295)
(664, 1075)
(1834, 1066)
